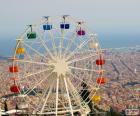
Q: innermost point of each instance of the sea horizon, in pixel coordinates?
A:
(7, 45)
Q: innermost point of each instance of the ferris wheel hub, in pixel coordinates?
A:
(60, 66)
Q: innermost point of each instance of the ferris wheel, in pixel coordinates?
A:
(57, 67)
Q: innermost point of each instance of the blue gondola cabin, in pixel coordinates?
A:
(47, 27)
(64, 26)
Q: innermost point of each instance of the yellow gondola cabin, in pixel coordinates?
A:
(20, 51)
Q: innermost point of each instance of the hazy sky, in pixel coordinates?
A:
(115, 21)
(103, 16)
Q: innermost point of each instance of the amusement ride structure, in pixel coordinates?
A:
(57, 68)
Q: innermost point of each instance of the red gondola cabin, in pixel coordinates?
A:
(13, 69)
(101, 80)
(100, 61)
(15, 89)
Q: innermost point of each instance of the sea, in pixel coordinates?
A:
(117, 41)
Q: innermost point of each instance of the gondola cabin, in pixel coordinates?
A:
(96, 99)
(47, 27)
(100, 62)
(13, 69)
(15, 89)
(20, 51)
(101, 80)
(81, 32)
(64, 26)
(31, 35)
(93, 45)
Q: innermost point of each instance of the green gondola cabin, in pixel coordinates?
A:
(31, 35)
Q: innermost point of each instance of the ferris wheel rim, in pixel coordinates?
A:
(53, 58)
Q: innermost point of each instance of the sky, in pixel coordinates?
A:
(110, 19)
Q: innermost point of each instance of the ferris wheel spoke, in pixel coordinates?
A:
(82, 81)
(32, 62)
(77, 48)
(79, 94)
(38, 83)
(79, 59)
(47, 88)
(75, 92)
(56, 102)
(37, 95)
(24, 33)
(68, 95)
(92, 87)
(62, 43)
(62, 104)
(74, 76)
(45, 46)
(79, 98)
(83, 69)
(60, 48)
(93, 92)
(47, 49)
(47, 97)
(33, 42)
(28, 55)
(53, 42)
(69, 44)
(90, 99)
(35, 50)
(36, 73)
